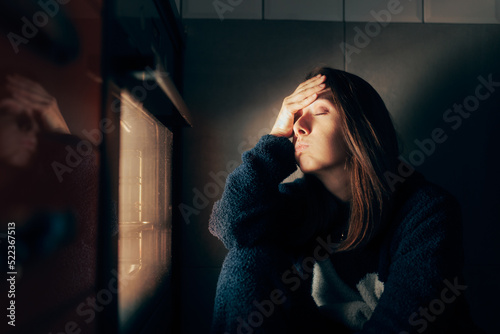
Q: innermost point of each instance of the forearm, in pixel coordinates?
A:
(251, 195)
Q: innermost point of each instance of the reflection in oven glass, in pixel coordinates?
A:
(144, 207)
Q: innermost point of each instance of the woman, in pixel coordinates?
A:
(29, 119)
(55, 221)
(362, 243)
(26, 110)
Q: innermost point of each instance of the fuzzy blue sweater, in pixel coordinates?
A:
(265, 283)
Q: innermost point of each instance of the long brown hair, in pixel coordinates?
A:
(372, 149)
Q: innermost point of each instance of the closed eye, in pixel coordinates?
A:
(321, 112)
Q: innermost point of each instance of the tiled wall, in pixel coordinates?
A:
(428, 11)
(303, 10)
(462, 11)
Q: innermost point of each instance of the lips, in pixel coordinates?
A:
(29, 144)
(301, 147)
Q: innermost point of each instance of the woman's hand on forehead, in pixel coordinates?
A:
(37, 102)
(304, 95)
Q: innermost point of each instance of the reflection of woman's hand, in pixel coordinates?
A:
(40, 104)
(303, 96)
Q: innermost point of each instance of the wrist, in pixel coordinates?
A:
(278, 133)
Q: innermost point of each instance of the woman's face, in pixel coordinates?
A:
(318, 138)
(18, 134)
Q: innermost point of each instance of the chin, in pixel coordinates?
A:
(21, 160)
(307, 168)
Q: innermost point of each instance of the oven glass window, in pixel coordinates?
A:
(144, 246)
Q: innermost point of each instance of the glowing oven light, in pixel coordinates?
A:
(144, 206)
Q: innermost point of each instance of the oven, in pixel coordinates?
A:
(142, 54)
(95, 214)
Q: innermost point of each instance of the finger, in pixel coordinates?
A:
(34, 89)
(28, 96)
(29, 99)
(305, 102)
(299, 96)
(315, 78)
(311, 82)
(11, 105)
(29, 93)
(293, 108)
(309, 85)
(28, 85)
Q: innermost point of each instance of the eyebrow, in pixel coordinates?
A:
(324, 98)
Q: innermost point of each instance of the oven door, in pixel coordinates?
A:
(141, 169)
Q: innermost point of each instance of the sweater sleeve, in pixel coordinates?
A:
(243, 216)
(424, 276)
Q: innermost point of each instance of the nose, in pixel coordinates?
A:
(302, 126)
